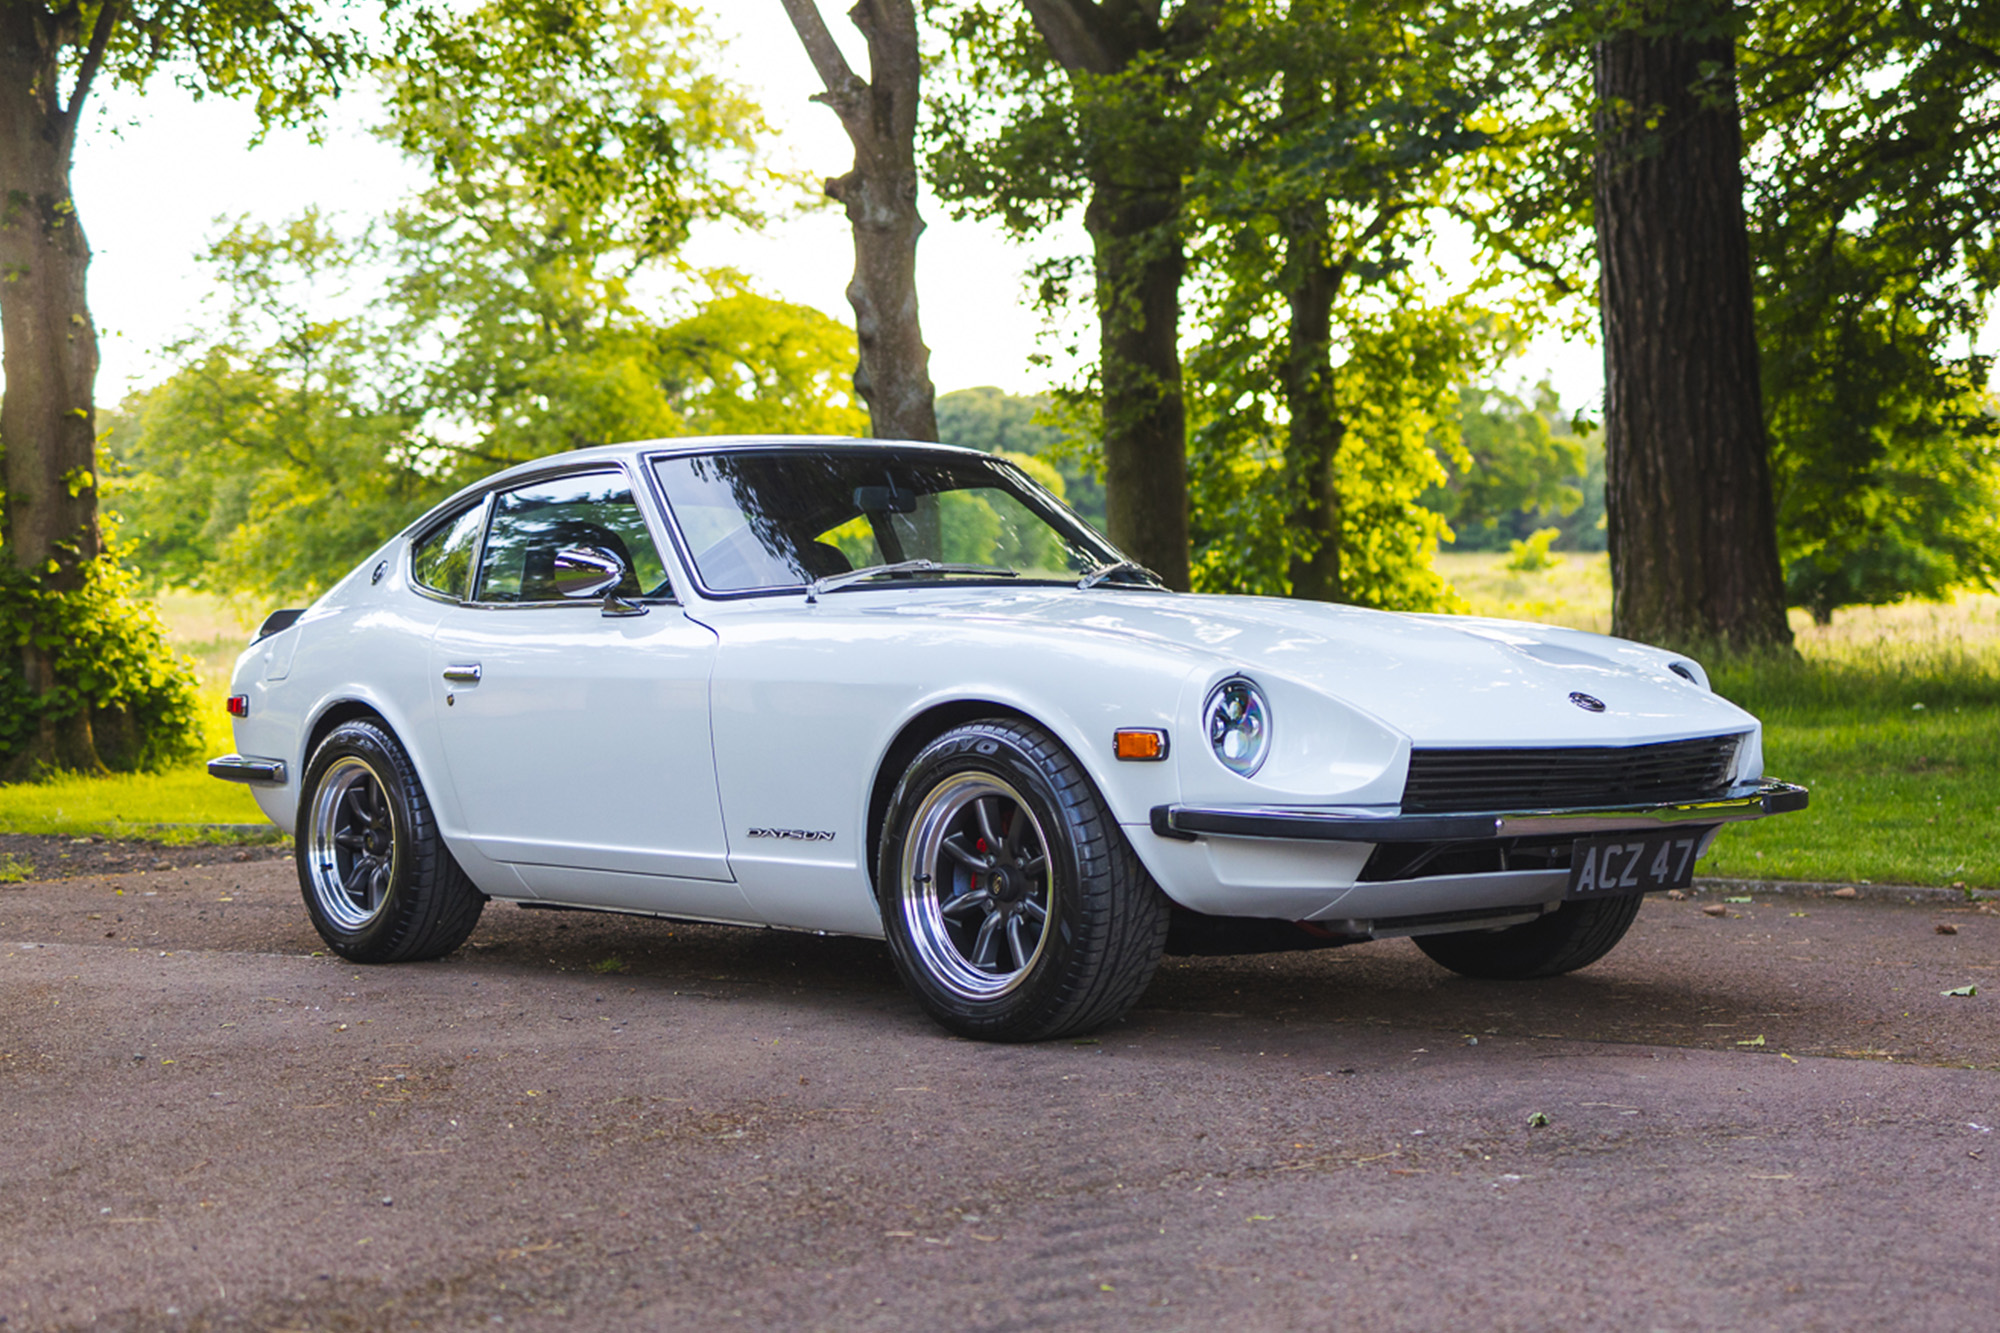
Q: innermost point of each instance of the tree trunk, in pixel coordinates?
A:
(1134, 223)
(880, 195)
(1312, 443)
(48, 428)
(1694, 553)
(1139, 265)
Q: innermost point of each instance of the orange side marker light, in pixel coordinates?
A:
(1141, 743)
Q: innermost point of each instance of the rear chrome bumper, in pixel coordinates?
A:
(245, 768)
(1752, 800)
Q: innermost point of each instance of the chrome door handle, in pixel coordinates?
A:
(466, 672)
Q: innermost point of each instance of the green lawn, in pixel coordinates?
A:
(1901, 793)
(1899, 740)
(180, 805)
(1902, 798)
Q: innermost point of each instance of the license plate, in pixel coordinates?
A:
(1633, 863)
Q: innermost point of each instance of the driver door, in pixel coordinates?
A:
(576, 732)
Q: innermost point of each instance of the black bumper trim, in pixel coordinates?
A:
(244, 768)
(1754, 801)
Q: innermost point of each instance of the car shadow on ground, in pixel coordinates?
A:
(1666, 985)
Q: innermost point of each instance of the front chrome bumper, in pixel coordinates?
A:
(246, 768)
(1752, 800)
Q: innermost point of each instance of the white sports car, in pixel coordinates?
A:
(900, 690)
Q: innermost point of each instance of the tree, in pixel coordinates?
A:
(290, 440)
(286, 445)
(573, 144)
(880, 196)
(51, 57)
(1875, 229)
(352, 381)
(1888, 466)
(1348, 128)
(1693, 536)
(1394, 382)
(1269, 172)
(1100, 111)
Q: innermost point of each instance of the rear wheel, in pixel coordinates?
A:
(1014, 907)
(1574, 935)
(378, 883)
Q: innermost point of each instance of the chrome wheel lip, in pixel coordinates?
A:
(333, 814)
(928, 867)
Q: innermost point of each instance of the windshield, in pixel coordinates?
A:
(779, 519)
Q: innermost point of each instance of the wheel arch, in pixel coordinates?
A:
(338, 712)
(917, 732)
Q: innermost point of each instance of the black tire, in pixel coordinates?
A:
(378, 883)
(1574, 935)
(994, 946)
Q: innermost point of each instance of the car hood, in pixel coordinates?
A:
(1441, 680)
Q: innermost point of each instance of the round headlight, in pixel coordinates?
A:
(1238, 723)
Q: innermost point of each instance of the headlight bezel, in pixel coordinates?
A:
(1252, 719)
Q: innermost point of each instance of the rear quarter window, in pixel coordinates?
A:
(441, 560)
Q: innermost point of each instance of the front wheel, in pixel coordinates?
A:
(378, 883)
(1014, 907)
(1574, 935)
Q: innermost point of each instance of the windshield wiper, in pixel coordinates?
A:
(1114, 569)
(832, 581)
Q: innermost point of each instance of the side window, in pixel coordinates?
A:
(532, 523)
(442, 558)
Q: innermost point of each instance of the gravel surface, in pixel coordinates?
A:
(1772, 1118)
(71, 858)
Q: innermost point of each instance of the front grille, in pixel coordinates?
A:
(1448, 781)
(1426, 860)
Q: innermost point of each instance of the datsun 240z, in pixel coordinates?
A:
(900, 690)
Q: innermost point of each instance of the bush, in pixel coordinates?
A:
(111, 658)
(1532, 555)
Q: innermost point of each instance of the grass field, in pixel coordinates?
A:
(1891, 715)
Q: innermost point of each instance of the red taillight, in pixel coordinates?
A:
(239, 705)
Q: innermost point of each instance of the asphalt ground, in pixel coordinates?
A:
(1773, 1118)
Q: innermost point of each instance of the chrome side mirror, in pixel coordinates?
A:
(587, 571)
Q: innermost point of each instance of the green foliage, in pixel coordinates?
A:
(1396, 388)
(1887, 464)
(1013, 137)
(288, 57)
(1873, 196)
(747, 364)
(1532, 555)
(1303, 154)
(572, 144)
(101, 686)
(353, 381)
(1875, 225)
(993, 421)
(111, 662)
(1524, 468)
(579, 128)
(280, 455)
